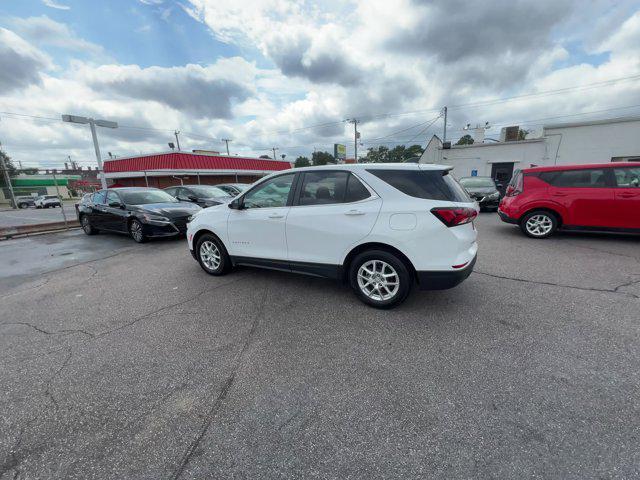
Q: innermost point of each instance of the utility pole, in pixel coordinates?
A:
(444, 134)
(8, 182)
(92, 124)
(176, 133)
(274, 152)
(227, 140)
(356, 136)
(64, 215)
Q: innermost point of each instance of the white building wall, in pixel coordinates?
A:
(464, 159)
(596, 143)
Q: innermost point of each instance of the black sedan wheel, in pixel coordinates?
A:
(136, 231)
(86, 226)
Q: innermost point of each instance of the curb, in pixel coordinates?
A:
(10, 232)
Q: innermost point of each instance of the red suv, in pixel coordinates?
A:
(597, 197)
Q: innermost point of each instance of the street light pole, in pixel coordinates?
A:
(94, 136)
(92, 124)
(176, 133)
(7, 180)
(444, 132)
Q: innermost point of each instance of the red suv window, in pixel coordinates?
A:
(583, 178)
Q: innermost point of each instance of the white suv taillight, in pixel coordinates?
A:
(454, 216)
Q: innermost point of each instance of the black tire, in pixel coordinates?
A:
(206, 247)
(136, 230)
(367, 292)
(539, 224)
(86, 226)
(23, 205)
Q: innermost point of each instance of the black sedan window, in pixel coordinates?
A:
(143, 197)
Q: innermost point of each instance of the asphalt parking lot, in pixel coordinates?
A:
(30, 216)
(121, 360)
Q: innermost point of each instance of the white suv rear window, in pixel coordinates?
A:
(430, 184)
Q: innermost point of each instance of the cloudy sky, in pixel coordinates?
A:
(287, 74)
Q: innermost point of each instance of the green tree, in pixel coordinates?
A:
(13, 171)
(465, 140)
(522, 134)
(377, 155)
(301, 162)
(265, 156)
(414, 151)
(400, 153)
(396, 154)
(322, 158)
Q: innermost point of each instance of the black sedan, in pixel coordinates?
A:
(483, 190)
(141, 212)
(203, 195)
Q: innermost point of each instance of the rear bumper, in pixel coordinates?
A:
(489, 203)
(506, 218)
(442, 280)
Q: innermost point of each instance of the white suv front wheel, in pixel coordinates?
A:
(380, 279)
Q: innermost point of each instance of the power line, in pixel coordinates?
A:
(381, 115)
(430, 122)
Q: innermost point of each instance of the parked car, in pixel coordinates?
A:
(203, 195)
(141, 212)
(47, 201)
(379, 227)
(483, 190)
(598, 197)
(25, 201)
(234, 189)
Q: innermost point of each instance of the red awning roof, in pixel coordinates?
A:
(191, 161)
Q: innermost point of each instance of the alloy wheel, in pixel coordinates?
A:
(136, 231)
(210, 255)
(85, 224)
(378, 280)
(539, 225)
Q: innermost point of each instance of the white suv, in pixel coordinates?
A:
(46, 201)
(380, 227)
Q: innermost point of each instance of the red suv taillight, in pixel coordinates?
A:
(517, 188)
(453, 216)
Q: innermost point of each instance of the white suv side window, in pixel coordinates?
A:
(270, 194)
(322, 188)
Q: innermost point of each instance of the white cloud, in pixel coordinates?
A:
(326, 62)
(45, 31)
(57, 6)
(21, 64)
(626, 40)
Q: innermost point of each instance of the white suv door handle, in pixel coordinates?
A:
(354, 212)
(276, 215)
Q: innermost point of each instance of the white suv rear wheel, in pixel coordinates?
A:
(380, 279)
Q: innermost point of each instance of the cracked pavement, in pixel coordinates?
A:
(120, 360)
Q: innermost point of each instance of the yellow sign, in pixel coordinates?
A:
(339, 151)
